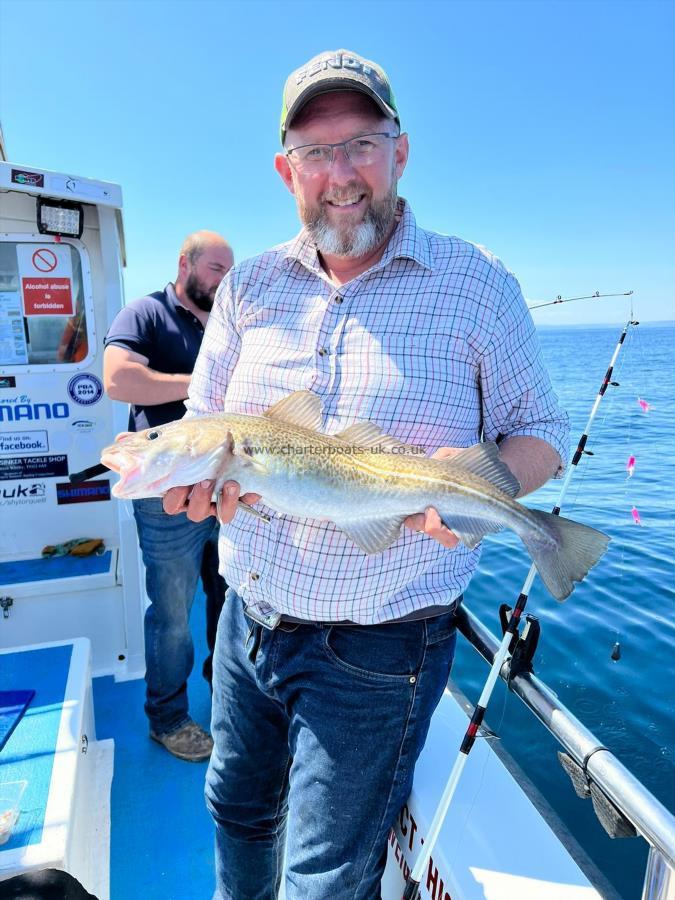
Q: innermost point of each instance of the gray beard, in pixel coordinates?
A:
(354, 241)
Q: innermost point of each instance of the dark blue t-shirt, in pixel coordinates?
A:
(169, 335)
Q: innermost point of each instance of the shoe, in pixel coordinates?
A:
(190, 742)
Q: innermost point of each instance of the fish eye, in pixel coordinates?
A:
(152, 435)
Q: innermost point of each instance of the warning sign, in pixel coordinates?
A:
(44, 260)
(46, 280)
(47, 297)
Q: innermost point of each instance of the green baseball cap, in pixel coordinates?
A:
(336, 70)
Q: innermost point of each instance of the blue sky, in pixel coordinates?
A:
(543, 130)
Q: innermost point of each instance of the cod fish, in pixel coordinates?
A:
(361, 479)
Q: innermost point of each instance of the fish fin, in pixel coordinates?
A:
(469, 529)
(373, 535)
(484, 460)
(245, 459)
(573, 550)
(367, 434)
(302, 408)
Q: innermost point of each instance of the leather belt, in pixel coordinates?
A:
(290, 623)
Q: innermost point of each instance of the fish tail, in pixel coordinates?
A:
(572, 550)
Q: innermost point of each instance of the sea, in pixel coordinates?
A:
(628, 599)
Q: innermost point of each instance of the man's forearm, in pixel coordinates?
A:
(136, 383)
(532, 460)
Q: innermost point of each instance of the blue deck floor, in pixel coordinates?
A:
(162, 836)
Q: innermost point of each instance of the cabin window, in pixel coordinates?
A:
(42, 311)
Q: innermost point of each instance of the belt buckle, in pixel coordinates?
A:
(269, 621)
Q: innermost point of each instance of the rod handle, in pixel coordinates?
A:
(91, 472)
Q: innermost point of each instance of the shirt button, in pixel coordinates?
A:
(323, 351)
(337, 299)
(255, 576)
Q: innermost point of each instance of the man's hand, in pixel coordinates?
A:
(195, 500)
(532, 460)
(429, 522)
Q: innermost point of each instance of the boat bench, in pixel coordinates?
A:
(64, 598)
(64, 818)
(29, 572)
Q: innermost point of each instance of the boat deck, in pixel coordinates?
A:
(153, 791)
(161, 836)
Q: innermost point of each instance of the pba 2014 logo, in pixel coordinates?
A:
(85, 389)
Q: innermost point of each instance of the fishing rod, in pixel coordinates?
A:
(596, 296)
(412, 888)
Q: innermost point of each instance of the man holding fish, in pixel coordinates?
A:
(328, 363)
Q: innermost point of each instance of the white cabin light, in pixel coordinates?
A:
(61, 217)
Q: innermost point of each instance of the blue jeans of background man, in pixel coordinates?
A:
(316, 733)
(173, 550)
(214, 590)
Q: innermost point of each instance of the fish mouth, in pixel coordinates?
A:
(116, 457)
(142, 475)
(132, 484)
(110, 459)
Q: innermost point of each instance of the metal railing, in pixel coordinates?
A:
(596, 764)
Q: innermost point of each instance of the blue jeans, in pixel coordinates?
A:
(173, 551)
(317, 731)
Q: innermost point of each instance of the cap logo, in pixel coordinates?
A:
(339, 61)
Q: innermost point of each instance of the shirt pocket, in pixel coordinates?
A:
(271, 359)
(425, 387)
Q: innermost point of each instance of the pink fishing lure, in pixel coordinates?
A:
(636, 516)
(644, 406)
(630, 466)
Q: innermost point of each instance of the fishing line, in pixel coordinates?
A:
(595, 296)
(635, 380)
(640, 347)
(412, 887)
(493, 735)
(620, 453)
(604, 442)
(601, 429)
(620, 583)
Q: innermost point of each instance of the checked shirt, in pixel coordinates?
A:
(434, 344)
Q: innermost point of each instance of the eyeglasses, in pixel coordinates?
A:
(363, 150)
